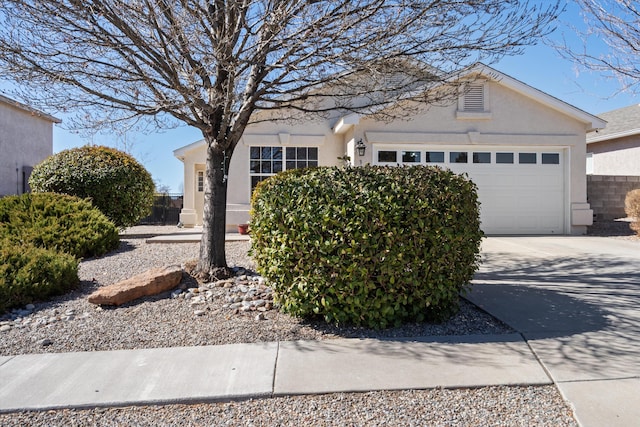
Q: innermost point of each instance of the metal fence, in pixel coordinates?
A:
(166, 210)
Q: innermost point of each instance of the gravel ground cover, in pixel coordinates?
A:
(70, 323)
(489, 406)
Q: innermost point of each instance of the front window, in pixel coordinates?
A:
(268, 161)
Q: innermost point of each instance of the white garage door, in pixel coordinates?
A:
(521, 190)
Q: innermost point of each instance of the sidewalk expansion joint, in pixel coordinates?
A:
(275, 369)
(542, 365)
(595, 380)
(9, 359)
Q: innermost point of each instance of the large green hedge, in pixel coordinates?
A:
(59, 222)
(116, 183)
(42, 237)
(29, 274)
(372, 246)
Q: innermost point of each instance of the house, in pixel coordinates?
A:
(615, 150)
(26, 139)
(523, 148)
(613, 162)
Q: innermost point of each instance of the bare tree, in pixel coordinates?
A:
(214, 64)
(610, 41)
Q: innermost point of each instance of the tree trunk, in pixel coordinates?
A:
(212, 263)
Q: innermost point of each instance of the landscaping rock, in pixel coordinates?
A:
(151, 282)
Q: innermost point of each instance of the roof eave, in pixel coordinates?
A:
(616, 135)
(28, 109)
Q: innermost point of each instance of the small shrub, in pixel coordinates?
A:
(29, 274)
(57, 222)
(372, 246)
(115, 182)
(632, 208)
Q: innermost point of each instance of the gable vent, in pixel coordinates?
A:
(474, 98)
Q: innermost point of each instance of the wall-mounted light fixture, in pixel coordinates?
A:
(361, 147)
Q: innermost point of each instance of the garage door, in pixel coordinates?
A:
(521, 190)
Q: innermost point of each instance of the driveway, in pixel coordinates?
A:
(576, 300)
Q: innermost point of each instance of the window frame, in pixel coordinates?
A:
(279, 163)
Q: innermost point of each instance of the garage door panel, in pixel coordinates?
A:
(515, 198)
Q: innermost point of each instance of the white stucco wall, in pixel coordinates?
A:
(619, 156)
(26, 139)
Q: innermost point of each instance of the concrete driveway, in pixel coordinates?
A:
(576, 300)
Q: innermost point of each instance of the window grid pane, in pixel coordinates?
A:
(387, 156)
(434, 157)
(481, 157)
(527, 158)
(504, 158)
(550, 158)
(411, 156)
(458, 157)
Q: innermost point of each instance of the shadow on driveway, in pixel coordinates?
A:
(580, 314)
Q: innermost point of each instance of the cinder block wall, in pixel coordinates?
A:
(606, 194)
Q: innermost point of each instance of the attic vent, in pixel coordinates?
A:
(394, 83)
(474, 98)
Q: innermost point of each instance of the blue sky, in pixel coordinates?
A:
(540, 66)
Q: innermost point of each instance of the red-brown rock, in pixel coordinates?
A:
(151, 282)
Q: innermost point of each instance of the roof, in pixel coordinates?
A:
(181, 152)
(620, 123)
(30, 110)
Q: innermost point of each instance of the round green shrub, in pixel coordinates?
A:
(57, 222)
(115, 182)
(29, 274)
(372, 246)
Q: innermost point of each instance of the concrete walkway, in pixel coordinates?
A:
(574, 300)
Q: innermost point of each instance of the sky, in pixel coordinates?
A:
(539, 66)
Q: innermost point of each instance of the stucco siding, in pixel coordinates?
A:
(25, 140)
(616, 157)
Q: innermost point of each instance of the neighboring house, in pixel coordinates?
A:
(613, 162)
(26, 139)
(615, 150)
(523, 148)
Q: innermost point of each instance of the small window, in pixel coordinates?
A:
(411, 157)
(527, 158)
(387, 156)
(458, 157)
(481, 157)
(550, 158)
(504, 158)
(200, 181)
(434, 156)
(590, 163)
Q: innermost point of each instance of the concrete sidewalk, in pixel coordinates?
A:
(214, 373)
